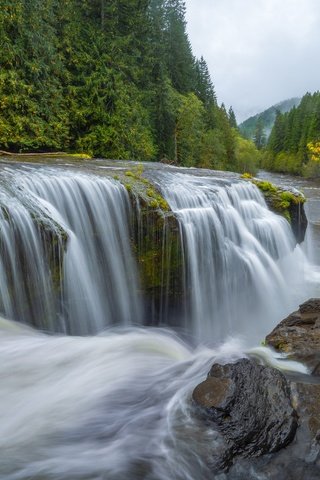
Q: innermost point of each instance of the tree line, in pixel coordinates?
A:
(294, 142)
(111, 78)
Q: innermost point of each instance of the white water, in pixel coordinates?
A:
(99, 276)
(118, 406)
(22, 252)
(242, 269)
(113, 407)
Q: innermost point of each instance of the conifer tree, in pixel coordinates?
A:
(232, 118)
(259, 135)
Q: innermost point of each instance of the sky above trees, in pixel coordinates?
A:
(259, 52)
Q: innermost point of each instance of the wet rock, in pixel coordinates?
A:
(250, 406)
(308, 406)
(298, 335)
(286, 201)
(299, 222)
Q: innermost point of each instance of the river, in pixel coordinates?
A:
(117, 405)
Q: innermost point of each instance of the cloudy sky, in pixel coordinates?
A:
(259, 52)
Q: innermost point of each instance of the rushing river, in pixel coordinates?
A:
(117, 405)
(311, 190)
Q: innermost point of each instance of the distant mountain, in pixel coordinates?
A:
(267, 118)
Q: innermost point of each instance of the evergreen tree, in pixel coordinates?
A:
(277, 136)
(204, 87)
(232, 118)
(259, 135)
(180, 60)
(114, 78)
(292, 134)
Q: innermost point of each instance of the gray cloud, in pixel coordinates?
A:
(259, 52)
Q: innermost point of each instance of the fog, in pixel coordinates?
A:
(259, 52)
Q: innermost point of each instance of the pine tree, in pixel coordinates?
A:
(259, 135)
(277, 139)
(232, 118)
(180, 60)
(204, 86)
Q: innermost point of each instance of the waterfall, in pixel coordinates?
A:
(239, 257)
(68, 263)
(118, 405)
(98, 278)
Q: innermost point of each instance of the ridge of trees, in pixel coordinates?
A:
(114, 79)
(294, 142)
(266, 119)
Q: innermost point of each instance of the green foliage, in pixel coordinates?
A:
(189, 130)
(292, 133)
(247, 155)
(114, 79)
(259, 137)
(232, 118)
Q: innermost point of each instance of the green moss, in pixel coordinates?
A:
(79, 155)
(246, 175)
(153, 204)
(136, 172)
(159, 255)
(279, 200)
(265, 186)
(142, 188)
(282, 347)
(157, 201)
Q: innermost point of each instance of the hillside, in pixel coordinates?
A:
(294, 142)
(112, 79)
(267, 118)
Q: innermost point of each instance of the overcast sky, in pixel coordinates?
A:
(259, 52)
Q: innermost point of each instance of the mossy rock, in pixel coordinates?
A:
(157, 247)
(155, 243)
(286, 202)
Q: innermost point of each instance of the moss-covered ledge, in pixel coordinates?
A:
(155, 238)
(286, 201)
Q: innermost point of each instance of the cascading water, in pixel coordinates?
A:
(99, 280)
(237, 255)
(232, 243)
(118, 406)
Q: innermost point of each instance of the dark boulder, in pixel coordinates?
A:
(298, 335)
(250, 405)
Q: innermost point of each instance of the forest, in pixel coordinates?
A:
(115, 79)
(294, 142)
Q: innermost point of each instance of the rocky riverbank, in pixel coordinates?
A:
(268, 421)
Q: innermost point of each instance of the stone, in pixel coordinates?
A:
(298, 335)
(250, 405)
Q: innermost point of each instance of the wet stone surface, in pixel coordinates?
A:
(250, 405)
(298, 335)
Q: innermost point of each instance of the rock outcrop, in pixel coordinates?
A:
(255, 410)
(298, 335)
(285, 201)
(250, 405)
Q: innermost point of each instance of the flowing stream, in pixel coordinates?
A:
(238, 256)
(117, 405)
(99, 277)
